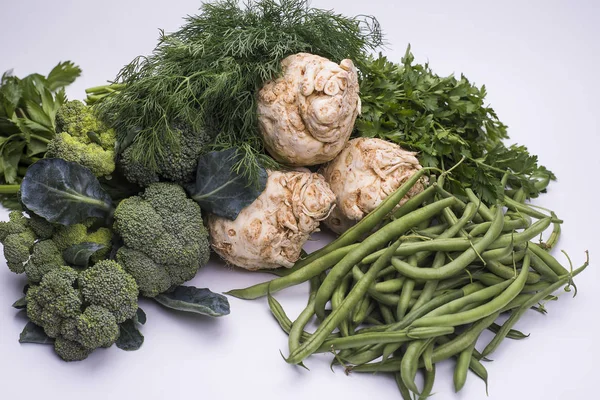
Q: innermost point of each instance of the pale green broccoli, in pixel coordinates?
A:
(165, 241)
(83, 310)
(81, 137)
(177, 164)
(35, 247)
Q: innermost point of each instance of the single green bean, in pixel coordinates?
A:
(540, 266)
(390, 286)
(378, 239)
(410, 363)
(432, 231)
(509, 226)
(406, 293)
(462, 366)
(303, 319)
(428, 383)
(548, 259)
(527, 210)
(512, 333)
(404, 392)
(336, 299)
(284, 322)
(304, 274)
(506, 272)
(365, 339)
(484, 211)
(415, 202)
(515, 257)
(364, 308)
(431, 286)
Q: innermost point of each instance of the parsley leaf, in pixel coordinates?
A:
(445, 119)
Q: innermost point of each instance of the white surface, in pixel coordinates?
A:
(539, 61)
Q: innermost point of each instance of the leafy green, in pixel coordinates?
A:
(192, 299)
(79, 254)
(445, 119)
(64, 192)
(33, 333)
(28, 109)
(207, 73)
(219, 190)
(130, 338)
(20, 304)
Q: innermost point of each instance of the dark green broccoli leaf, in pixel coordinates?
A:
(20, 304)
(192, 299)
(79, 254)
(219, 189)
(33, 333)
(140, 316)
(130, 338)
(64, 192)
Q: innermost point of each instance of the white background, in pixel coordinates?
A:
(539, 61)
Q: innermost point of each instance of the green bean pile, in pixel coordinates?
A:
(405, 289)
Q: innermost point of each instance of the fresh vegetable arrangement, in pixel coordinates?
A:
(241, 133)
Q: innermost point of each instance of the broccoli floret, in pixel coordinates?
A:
(178, 164)
(165, 241)
(108, 285)
(18, 239)
(70, 350)
(35, 247)
(83, 138)
(42, 228)
(82, 310)
(48, 254)
(45, 257)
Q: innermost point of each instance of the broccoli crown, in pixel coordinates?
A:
(82, 310)
(177, 164)
(165, 241)
(83, 138)
(35, 247)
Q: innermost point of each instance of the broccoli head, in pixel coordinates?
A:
(165, 241)
(178, 164)
(83, 310)
(81, 137)
(34, 246)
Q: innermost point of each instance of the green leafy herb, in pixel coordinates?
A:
(219, 190)
(28, 109)
(79, 254)
(64, 192)
(194, 300)
(33, 333)
(207, 74)
(445, 119)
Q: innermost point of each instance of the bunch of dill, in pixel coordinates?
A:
(207, 74)
(445, 119)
